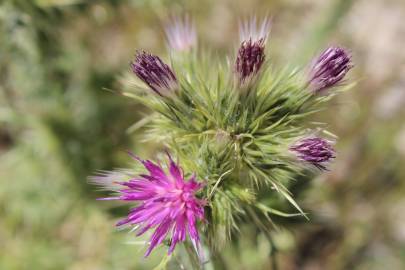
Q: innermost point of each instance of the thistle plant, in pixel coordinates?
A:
(238, 131)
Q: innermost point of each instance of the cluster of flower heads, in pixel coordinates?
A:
(166, 201)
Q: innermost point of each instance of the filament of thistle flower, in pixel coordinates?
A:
(145, 120)
(218, 181)
(137, 243)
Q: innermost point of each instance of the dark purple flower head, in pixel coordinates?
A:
(167, 204)
(316, 151)
(329, 68)
(249, 60)
(156, 74)
(181, 34)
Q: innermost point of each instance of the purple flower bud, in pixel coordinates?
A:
(316, 151)
(253, 35)
(156, 74)
(329, 68)
(249, 60)
(181, 34)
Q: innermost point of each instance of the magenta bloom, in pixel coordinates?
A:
(167, 204)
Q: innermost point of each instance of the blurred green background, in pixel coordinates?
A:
(60, 123)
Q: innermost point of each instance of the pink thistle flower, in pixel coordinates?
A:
(167, 204)
(254, 30)
(181, 34)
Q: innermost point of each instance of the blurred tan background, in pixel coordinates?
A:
(59, 123)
